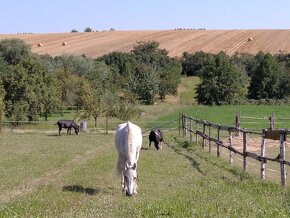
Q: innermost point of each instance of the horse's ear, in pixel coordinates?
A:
(134, 166)
(127, 166)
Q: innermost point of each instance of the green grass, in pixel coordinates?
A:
(226, 115)
(74, 177)
(45, 175)
(187, 95)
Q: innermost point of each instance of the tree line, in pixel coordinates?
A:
(34, 86)
(260, 78)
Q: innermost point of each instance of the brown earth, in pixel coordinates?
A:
(96, 44)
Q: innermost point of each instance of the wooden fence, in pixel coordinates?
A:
(211, 133)
(272, 120)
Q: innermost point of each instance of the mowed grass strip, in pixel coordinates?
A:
(182, 180)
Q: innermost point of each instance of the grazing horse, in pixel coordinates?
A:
(156, 136)
(128, 141)
(68, 124)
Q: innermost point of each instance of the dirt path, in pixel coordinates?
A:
(174, 99)
(254, 143)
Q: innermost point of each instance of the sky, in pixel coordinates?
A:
(57, 16)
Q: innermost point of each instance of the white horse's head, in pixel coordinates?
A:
(130, 179)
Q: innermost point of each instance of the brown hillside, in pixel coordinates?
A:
(96, 44)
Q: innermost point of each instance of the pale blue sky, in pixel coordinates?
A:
(51, 16)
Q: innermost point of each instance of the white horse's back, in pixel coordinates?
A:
(128, 142)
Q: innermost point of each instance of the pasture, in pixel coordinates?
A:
(45, 175)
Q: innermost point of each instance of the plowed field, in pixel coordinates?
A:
(96, 44)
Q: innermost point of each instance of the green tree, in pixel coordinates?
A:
(66, 82)
(169, 78)
(143, 84)
(121, 66)
(15, 85)
(221, 83)
(2, 94)
(245, 62)
(78, 65)
(30, 91)
(165, 73)
(13, 51)
(192, 64)
(84, 93)
(50, 96)
(102, 83)
(266, 80)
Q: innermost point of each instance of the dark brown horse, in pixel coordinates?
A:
(68, 124)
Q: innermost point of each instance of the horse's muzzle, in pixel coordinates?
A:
(128, 194)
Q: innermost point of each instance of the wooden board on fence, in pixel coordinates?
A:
(225, 128)
(272, 134)
(215, 125)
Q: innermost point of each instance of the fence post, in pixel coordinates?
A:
(209, 141)
(107, 124)
(203, 132)
(185, 126)
(238, 122)
(263, 150)
(218, 138)
(272, 121)
(282, 157)
(190, 129)
(196, 128)
(245, 145)
(231, 152)
(179, 121)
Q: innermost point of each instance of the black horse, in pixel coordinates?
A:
(156, 136)
(68, 124)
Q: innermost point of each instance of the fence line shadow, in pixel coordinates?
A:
(81, 189)
(194, 163)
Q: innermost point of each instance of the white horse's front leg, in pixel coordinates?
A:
(135, 189)
(123, 185)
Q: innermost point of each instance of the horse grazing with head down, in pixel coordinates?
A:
(128, 142)
(156, 136)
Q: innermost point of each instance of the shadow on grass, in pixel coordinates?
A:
(80, 189)
(188, 147)
(194, 163)
(54, 135)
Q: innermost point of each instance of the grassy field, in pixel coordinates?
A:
(46, 175)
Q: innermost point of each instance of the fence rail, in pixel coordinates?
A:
(206, 133)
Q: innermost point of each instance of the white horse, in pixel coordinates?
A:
(128, 142)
